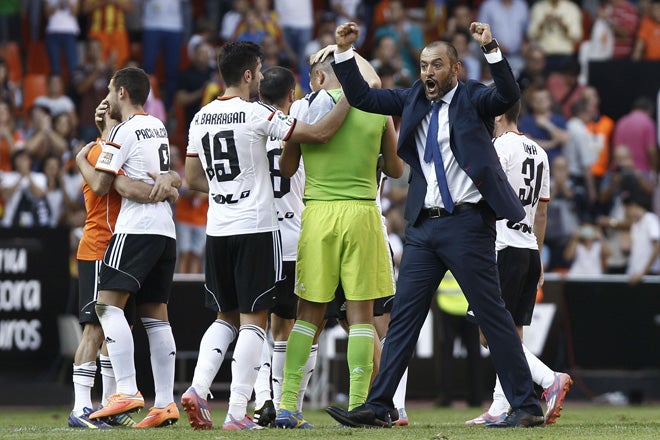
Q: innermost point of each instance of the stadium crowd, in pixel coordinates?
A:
(57, 56)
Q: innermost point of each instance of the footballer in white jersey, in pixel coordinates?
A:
(526, 165)
(288, 193)
(139, 146)
(229, 136)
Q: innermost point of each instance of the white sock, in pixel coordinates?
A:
(244, 368)
(541, 374)
(108, 377)
(277, 371)
(262, 384)
(399, 397)
(121, 348)
(500, 403)
(212, 350)
(163, 359)
(83, 382)
(309, 369)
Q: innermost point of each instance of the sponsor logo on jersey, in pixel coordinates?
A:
(230, 199)
(105, 158)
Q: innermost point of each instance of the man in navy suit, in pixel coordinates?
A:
(457, 190)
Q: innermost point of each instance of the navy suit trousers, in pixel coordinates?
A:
(463, 243)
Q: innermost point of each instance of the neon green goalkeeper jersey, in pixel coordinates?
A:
(345, 167)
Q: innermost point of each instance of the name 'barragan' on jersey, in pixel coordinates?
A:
(221, 118)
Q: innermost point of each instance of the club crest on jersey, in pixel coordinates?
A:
(105, 158)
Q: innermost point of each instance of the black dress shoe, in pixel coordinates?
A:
(360, 417)
(519, 418)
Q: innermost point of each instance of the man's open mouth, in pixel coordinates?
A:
(431, 86)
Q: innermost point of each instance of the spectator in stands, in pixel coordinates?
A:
(565, 87)
(274, 55)
(162, 26)
(637, 130)
(385, 54)
(90, 81)
(562, 220)
(580, 156)
(543, 125)
(193, 81)
(55, 100)
(61, 33)
(23, 191)
(297, 23)
(645, 239)
(55, 195)
(407, 35)
(63, 126)
(460, 20)
(533, 75)
(555, 26)
(232, 18)
(10, 138)
(601, 128)
(587, 251)
(624, 178)
(647, 46)
(107, 23)
(8, 90)
(622, 17)
(203, 33)
(508, 20)
(326, 24)
(34, 10)
(251, 28)
(349, 10)
(470, 65)
(41, 138)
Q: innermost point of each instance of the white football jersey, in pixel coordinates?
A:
(229, 136)
(526, 165)
(288, 199)
(139, 146)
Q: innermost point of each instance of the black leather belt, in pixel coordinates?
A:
(436, 211)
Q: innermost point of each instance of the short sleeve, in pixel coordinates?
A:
(267, 121)
(112, 155)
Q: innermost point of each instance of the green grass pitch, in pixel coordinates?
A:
(578, 422)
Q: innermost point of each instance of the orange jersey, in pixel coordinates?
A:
(102, 212)
(192, 210)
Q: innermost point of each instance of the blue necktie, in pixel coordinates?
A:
(432, 151)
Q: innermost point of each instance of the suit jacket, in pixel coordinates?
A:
(471, 114)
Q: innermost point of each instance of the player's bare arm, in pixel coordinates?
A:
(141, 192)
(323, 130)
(195, 175)
(99, 181)
(392, 164)
(290, 159)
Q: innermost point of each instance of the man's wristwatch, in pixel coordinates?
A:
(486, 48)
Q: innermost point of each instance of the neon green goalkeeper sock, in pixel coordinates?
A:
(297, 352)
(360, 356)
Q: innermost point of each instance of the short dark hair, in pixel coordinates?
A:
(578, 107)
(643, 103)
(452, 53)
(276, 85)
(237, 57)
(513, 113)
(135, 81)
